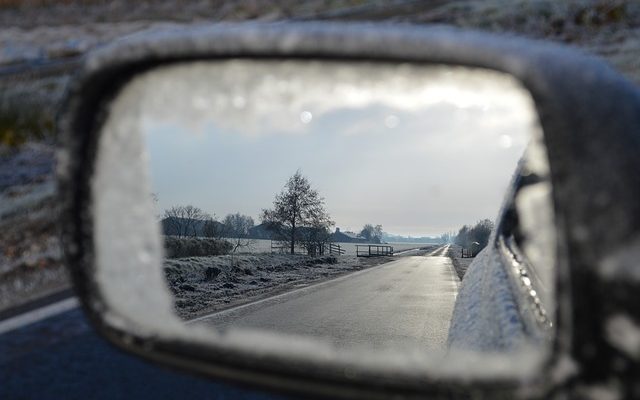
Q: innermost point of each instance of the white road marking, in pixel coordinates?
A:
(442, 252)
(38, 314)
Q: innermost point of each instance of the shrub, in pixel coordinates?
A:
(479, 233)
(176, 247)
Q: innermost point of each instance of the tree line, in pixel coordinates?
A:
(191, 221)
(297, 218)
(185, 221)
(476, 237)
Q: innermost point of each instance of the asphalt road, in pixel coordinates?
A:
(404, 302)
(61, 357)
(51, 352)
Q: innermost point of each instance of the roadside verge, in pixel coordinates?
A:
(459, 264)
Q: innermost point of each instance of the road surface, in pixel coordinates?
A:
(404, 302)
(51, 352)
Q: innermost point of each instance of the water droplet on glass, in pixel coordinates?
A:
(306, 117)
(239, 102)
(505, 141)
(391, 121)
(144, 257)
(199, 103)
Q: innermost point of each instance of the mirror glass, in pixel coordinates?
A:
(340, 202)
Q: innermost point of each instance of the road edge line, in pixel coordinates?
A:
(38, 314)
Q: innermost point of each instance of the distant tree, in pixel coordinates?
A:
(481, 232)
(212, 228)
(235, 228)
(373, 234)
(377, 234)
(367, 232)
(462, 238)
(478, 233)
(447, 237)
(313, 239)
(296, 208)
(184, 220)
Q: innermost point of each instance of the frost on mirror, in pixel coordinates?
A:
(341, 202)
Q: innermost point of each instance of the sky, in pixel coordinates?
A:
(420, 150)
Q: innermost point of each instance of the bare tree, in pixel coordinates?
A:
(481, 232)
(447, 237)
(475, 237)
(378, 233)
(297, 206)
(185, 220)
(236, 229)
(314, 239)
(212, 228)
(372, 233)
(463, 237)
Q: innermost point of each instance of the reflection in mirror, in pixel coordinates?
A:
(339, 201)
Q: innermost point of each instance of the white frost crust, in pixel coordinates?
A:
(126, 235)
(485, 316)
(257, 97)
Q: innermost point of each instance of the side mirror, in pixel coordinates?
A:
(550, 301)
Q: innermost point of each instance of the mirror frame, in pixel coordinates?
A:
(587, 136)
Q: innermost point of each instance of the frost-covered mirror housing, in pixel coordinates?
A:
(546, 218)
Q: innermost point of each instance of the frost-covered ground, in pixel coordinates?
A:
(460, 264)
(205, 284)
(30, 255)
(71, 28)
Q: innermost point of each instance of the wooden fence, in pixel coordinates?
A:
(373, 250)
(466, 253)
(280, 247)
(319, 249)
(335, 249)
